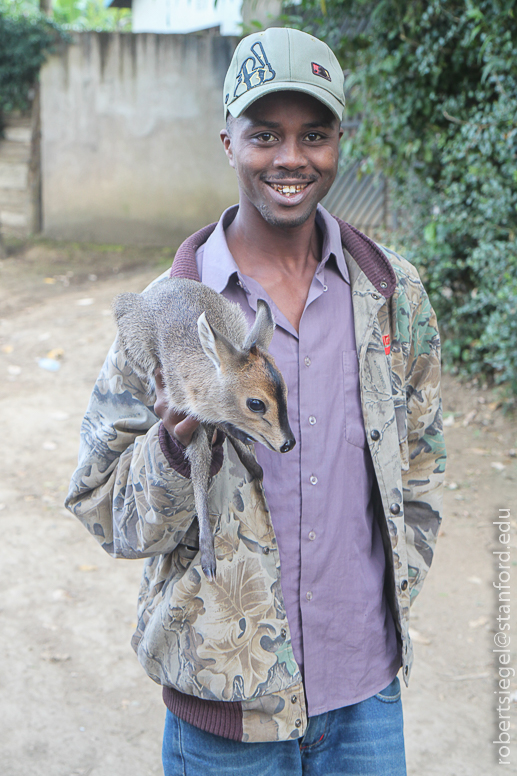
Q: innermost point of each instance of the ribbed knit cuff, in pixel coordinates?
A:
(222, 718)
(174, 452)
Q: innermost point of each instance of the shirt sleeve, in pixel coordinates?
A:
(425, 464)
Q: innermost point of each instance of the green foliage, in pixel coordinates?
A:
(435, 82)
(25, 40)
(91, 15)
(74, 14)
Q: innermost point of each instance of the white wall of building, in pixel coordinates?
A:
(182, 16)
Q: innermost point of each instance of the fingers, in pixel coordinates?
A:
(184, 429)
(177, 424)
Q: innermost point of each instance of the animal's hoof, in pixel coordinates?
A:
(209, 572)
(208, 565)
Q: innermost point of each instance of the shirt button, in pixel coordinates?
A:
(293, 698)
(312, 536)
(265, 550)
(395, 509)
(298, 723)
(307, 361)
(375, 434)
(283, 633)
(404, 585)
(313, 479)
(312, 420)
(325, 288)
(308, 596)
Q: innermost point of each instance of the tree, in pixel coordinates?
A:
(435, 82)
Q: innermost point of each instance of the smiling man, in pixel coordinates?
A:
(288, 663)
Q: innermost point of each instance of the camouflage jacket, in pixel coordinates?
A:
(230, 641)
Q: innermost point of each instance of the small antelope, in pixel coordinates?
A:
(214, 370)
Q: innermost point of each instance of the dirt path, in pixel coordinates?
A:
(73, 699)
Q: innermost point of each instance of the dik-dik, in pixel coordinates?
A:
(214, 369)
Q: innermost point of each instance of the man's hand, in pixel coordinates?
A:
(179, 426)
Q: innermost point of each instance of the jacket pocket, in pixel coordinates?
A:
(354, 423)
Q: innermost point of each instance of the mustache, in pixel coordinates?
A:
(291, 177)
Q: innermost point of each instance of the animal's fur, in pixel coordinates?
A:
(211, 366)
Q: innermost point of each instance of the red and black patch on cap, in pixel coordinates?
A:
(321, 71)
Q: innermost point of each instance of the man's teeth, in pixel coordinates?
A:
(288, 190)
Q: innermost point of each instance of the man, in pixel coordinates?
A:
(288, 663)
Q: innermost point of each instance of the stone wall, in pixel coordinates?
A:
(20, 213)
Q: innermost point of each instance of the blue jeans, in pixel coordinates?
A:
(365, 739)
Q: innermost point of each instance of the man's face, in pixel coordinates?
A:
(284, 149)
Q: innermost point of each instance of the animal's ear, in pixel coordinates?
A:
(218, 349)
(261, 333)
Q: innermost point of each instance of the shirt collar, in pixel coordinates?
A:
(216, 264)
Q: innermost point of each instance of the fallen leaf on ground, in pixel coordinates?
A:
(469, 417)
(478, 623)
(55, 657)
(7, 349)
(61, 595)
(56, 353)
(87, 567)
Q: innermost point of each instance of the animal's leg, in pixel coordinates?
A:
(199, 453)
(247, 459)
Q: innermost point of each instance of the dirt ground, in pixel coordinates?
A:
(73, 698)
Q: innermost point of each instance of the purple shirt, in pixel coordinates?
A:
(320, 494)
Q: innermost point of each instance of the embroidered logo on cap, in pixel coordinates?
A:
(321, 71)
(255, 71)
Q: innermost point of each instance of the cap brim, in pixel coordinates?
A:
(243, 102)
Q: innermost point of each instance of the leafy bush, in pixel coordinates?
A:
(435, 82)
(25, 40)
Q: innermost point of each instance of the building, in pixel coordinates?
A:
(185, 16)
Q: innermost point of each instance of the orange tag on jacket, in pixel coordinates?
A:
(386, 343)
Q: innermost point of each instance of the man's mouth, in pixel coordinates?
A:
(288, 190)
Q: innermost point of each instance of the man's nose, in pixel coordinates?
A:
(290, 155)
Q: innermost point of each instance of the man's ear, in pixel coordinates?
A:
(227, 143)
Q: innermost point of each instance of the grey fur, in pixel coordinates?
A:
(211, 365)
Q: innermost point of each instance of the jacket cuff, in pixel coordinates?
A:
(174, 453)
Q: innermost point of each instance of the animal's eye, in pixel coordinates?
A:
(255, 405)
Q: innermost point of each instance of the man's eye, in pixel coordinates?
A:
(267, 137)
(313, 136)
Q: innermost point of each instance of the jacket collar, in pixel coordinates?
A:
(367, 254)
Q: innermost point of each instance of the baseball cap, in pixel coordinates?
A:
(279, 59)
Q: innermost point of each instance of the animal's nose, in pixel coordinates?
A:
(288, 445)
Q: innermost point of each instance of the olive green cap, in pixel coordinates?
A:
(282, 59)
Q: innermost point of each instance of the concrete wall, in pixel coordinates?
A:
(130, 137)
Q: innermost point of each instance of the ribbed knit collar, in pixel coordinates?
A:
(369, 257)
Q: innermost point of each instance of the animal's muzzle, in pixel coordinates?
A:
(288, 445)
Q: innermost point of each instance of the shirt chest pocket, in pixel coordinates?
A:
(354, 423)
